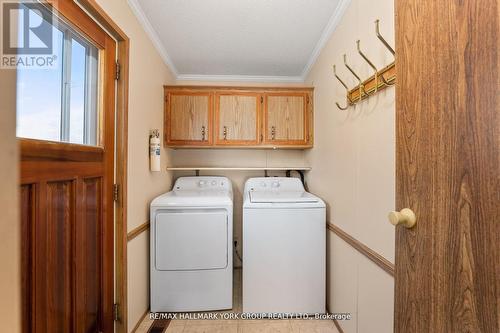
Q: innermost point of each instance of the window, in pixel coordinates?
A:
(60, 103)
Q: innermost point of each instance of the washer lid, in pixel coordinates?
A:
(282, 197)
(181, 198)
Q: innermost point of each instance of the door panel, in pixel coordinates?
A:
(189, 118)
(28, 209)
(286, 118)
(237, 118)
(67, 214)
(53, 255)
(447, 273)
(89, 261)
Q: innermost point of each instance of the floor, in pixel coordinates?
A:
(242, 326)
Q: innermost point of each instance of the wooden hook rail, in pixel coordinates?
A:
(381, 79)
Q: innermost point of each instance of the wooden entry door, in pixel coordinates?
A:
(447, 269)
(67, 211)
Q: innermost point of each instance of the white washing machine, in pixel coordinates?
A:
(284, 253)
(191, 246)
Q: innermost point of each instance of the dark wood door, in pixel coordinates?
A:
(67, 214)
(447, 274)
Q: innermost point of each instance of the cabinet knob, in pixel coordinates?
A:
(203, 133)
(406, 217)
(273, 132)
(225, 133)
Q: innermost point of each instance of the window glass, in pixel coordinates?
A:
(77, 92)
(60, 103)
(39, 99)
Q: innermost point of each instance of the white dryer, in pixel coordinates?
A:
(191, 246)
(284, 251)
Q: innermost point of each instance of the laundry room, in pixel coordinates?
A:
(249, 166)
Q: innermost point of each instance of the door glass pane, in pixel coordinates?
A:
(77, 93)
(59, 103)
(39, 98)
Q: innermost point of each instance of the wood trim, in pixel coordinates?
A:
(376, 258)
(58, 151)
(101, 17)
(240, 88)
(259, 146)
(72, 14)
(388, 73)
(137, 231)
(140, 321)
(121, 181)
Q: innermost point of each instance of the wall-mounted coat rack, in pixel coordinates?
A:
(380, 79)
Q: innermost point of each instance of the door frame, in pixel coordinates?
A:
(43, 161)
(98, 14)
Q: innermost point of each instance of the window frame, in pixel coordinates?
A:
(92, 86)
(90, 113)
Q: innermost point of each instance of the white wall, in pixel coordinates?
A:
(353, 167)
(148, 74)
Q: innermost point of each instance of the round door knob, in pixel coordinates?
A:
(406, 217)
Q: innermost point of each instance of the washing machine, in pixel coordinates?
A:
(284, 251)
(191, 246)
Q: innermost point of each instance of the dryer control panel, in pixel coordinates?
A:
(274, 184)
(202, 183)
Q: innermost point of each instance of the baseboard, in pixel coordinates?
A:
(376, 258)
(137, 231)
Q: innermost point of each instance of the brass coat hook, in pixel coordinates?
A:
(373, 67)
(361, 86)
(377, 31)
(349, 101)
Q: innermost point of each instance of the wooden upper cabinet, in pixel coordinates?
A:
(286, 120)
(237, 118)
(245, 117)
(188, 118)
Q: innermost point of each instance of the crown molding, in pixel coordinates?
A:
(240, 78)
(325, 36)
(337, 15)
(151, 32)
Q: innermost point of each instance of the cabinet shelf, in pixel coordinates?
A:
(195, 168)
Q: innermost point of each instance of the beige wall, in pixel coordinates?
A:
(353, 167)
(237, 158)
(148, 74)
(10, 237)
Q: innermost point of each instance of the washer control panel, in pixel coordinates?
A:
(274, 184)
(202, 183)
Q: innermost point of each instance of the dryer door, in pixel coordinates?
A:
(191, 239)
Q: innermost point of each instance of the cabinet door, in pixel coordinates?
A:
(286, 118)
(237, 118)
(188, 118)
